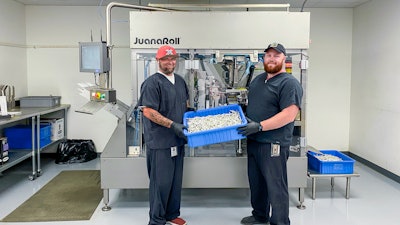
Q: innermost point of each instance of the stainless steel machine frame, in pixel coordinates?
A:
(121, 169)
(200, 171)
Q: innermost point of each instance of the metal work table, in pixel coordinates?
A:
(31, 116)
(313, 175)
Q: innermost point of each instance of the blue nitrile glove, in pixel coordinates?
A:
(250, 128)
(178, 130)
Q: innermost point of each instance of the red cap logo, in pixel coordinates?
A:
(166, 50)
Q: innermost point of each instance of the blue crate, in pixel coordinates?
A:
(217, 135)
(20, 136)
(26, 130)
(26, 143)
(346, 166)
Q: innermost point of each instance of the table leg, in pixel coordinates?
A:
(39, 170)
(332, 183)
(313, 188)
(34, 175)
(348, 187)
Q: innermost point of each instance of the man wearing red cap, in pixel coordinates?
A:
(164, 100)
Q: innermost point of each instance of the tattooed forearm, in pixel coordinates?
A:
(156, 117)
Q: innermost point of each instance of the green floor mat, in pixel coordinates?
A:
(71, 195)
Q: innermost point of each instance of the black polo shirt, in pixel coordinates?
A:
(267, 98)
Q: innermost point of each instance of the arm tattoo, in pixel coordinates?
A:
(156, 117)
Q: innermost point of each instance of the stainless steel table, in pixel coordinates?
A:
(314, 176)
(31, 116)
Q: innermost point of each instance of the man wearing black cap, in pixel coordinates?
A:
(274, 99)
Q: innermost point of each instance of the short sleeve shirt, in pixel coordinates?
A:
(170, 100)
(267, 98)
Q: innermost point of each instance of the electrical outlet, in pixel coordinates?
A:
(134, 150)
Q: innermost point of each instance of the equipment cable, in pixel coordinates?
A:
(302, 7)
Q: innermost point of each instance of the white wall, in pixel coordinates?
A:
(375, 104)
(328, 91)
(54, 33)
(12, 46)
(53, 63)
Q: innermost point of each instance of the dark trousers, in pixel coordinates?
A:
(268, 183)
(165, 173)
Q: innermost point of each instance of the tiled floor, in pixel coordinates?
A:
(374, 199)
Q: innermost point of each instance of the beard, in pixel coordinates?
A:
(273, 68)
(167, 70)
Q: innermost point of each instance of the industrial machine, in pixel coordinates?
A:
(220, 53)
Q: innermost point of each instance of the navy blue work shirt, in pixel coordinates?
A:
(170, 100)
(267, 98)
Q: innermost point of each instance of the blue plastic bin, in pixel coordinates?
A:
(20, 136)
(346, 166)
(217, 135)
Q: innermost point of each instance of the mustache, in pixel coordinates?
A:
(272, 67)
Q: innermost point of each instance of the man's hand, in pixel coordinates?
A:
(250, 128)
(178, 130)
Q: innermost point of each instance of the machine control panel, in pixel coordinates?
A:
(103, 95)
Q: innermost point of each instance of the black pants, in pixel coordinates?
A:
(268, 183)
(165, 173)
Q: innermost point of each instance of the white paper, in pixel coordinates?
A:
(3, 105)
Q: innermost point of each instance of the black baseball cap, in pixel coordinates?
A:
(277, 47)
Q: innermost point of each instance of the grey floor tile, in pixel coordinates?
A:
(373, 200)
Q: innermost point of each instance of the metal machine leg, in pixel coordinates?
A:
(106, 200)
(301, 199)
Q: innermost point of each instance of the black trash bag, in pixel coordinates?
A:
(75, 151)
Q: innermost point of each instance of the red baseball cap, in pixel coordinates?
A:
(166, 50)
